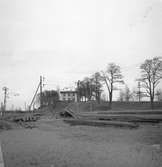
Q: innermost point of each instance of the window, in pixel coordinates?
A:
(63, 94)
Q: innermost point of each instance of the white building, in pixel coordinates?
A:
(68, 95)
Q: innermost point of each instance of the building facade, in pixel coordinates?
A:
(68, 95)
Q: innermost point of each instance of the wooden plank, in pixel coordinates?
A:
(100, 123)
(73, 114)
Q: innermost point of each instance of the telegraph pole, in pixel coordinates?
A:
(78, 94)
(30, 106)
(5, 89)
(139, 91)
(41, 86)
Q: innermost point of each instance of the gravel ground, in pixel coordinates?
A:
(56, 144)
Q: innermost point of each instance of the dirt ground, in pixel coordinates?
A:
(52, 143)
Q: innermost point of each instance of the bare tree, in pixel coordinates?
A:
(85, 89)
(151, 73)
(96, 81)
(89, 88)
(128, 94)
(159, 95)
(111, 76)
(125, 95)
(121, 96)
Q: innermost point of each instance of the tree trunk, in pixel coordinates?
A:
(98, 97)
(152, 103)
(110, 100)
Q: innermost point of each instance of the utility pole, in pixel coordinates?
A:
(40, 89)
(90, 98)
(139, 91)
(25, 106)
(78, 93)
(30, 106)
(41, 86)
(5, 89)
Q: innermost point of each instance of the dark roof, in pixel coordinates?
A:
(68, 91)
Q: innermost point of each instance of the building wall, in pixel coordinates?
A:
(68, 96)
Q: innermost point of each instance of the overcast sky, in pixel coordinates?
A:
(66, 40)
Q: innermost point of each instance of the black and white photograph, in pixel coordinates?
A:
(80, 83)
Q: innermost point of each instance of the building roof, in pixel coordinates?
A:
(68, 91)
